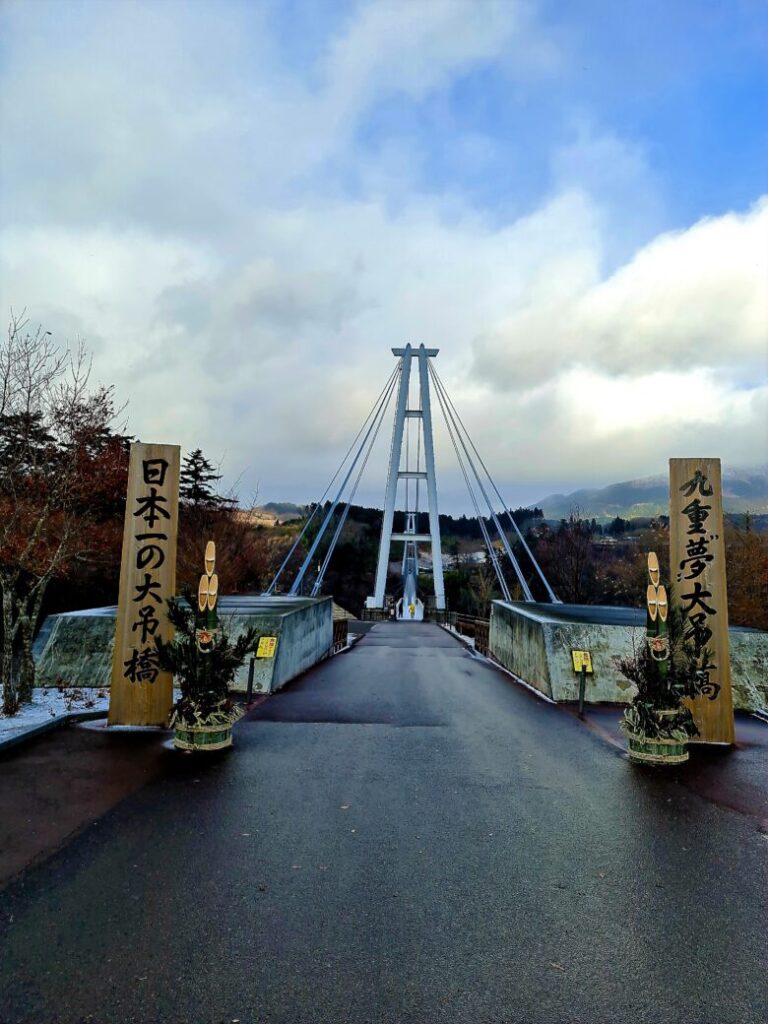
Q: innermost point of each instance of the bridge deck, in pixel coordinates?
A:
(386, 679)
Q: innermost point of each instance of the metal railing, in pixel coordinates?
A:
(374, 615)
(340, 635)
(468, 625)
(442, 618)
(476, 629)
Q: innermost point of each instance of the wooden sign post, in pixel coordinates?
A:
(140, 693)
(697, 570)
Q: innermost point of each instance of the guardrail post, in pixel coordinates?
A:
(249, 693)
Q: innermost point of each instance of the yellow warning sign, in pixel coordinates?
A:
(582, 659)
(267, 647)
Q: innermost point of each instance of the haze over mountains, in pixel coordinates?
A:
(744, 490)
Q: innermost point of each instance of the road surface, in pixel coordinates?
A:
(403, 834)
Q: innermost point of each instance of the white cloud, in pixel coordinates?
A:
(415, 47)
(618, 171)
(585, 427)
(689, 300)
(277, 360)
(162, 201)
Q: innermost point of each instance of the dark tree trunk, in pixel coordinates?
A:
(10, 696)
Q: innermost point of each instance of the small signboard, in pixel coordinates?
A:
(582, 660)
(267, 647)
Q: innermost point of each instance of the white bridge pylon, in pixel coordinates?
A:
(411, 607)
(482, 491)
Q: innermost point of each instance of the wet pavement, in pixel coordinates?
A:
(64, 781)
(739, 782)
(403, 834)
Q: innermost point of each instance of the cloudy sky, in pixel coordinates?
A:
(242, 206)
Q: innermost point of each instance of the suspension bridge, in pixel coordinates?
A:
(412, 478)
(530, 632)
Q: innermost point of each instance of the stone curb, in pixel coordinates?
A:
(43, 727)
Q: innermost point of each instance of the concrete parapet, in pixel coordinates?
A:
(75, 648)
(534, 641)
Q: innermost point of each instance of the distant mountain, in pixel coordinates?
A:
(743, 491)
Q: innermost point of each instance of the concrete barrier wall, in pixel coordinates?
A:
(305, 633)
(534, 641)
(519, 643)
(75, 648)
(749, 669)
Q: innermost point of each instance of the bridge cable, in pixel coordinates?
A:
(340, 526)
(407, 465)
(398, 371)
(492, 553)
(271, 588)
(502, 535)
(552, 596)
(419, 432)
(310, 554)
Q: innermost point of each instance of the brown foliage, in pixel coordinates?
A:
(53, 430)
(746, 556)
(247, 557)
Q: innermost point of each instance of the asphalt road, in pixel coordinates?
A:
(401, 835)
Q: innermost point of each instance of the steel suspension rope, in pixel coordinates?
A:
(271, 588)
(310, 554)
(502, 535)
(492, 553)
(510, 517)
(407, 465)
(398, 371)
(340, 526)
(419, 432)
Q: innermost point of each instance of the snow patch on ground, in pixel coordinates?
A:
(468, 640)
(48, 705)
(100, 725)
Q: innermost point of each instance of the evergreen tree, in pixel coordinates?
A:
(26, 444)
(196, 482)
(617, 527)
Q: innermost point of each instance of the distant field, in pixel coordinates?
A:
(262, 516)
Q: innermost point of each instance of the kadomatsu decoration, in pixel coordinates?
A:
(665, 668)
(203, 660)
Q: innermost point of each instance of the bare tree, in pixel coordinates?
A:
(567, 557)
(483, 587)
(49, 416)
